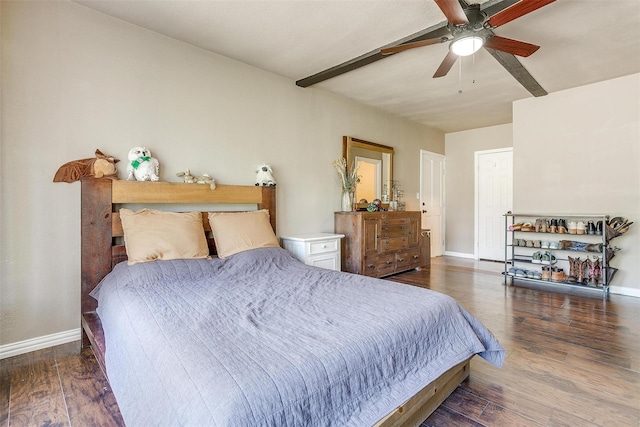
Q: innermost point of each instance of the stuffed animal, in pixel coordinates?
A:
(142, 167)
(264, 176)
(101, 166)
(186, 176)
(203, 179)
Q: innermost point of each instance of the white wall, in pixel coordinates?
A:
(578, 151)
(460, 148)
(74, 80)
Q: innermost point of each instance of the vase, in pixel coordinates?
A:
(347, 201)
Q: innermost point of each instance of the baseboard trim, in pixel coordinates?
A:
(622, 290)
(26, 346)
(460, 255)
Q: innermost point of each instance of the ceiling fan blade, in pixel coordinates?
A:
(517, 70)
(446, 65)
(408, 46)
(453, 11)
(516, 11)
(514, 47)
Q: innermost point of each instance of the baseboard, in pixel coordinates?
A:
(622, 290)
(39, 343)
(459, 254)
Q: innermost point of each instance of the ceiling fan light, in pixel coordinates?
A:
(466, 46)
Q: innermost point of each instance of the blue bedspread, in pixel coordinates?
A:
(260, 339)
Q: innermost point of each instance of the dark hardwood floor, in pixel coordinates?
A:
(572, 361)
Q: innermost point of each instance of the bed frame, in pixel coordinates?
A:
(102, 248)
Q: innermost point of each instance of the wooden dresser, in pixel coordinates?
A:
(379, 243)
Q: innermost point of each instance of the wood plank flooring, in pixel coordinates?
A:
(572, 361)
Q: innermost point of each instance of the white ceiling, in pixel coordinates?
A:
(582, 42)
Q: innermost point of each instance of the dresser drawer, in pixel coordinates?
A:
(379, 266)
(394, 230)
(393, 244)
(395, 221)
(408, 260)
(323, 246)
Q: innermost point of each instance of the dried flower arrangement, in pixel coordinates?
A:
(349, 177)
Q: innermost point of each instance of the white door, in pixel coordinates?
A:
(432, 198)
(494, 197)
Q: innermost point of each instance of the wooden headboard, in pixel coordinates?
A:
(101, 230)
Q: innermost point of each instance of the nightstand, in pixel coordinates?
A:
(317, 249)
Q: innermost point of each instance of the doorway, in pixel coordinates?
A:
(493, 198)
(370, 171)
(432, 169)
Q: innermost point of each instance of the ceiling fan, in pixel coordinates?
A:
(468, 28)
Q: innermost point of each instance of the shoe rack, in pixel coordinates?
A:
(561, 250)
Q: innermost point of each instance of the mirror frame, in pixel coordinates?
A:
(349, 142)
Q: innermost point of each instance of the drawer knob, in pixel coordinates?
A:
(388, 262)
(401, 259)
(415, 257)
(369, 265)
(324, 246)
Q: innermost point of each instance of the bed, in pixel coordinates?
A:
(258, 338)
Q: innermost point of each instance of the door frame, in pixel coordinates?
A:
(476, 183)
(443, 217)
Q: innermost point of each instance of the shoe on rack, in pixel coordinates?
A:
(537, 275)
(554, 226)
(515, 227)
(557, 275)
(562, 226)
(529, 243)
(536, 258)
(554, 245)
(537, 244)
(544, 244)
(527, 227)
(548, 259)
(538, 225)
(521, 273)
(591, 228)
(599, 228)
(546, 272)
(573, 227)
(512, 271)
(581, 228)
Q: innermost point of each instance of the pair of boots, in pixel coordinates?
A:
(577, 269)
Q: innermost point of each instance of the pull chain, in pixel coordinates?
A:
(460, 76)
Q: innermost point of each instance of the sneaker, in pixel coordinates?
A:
(537, 275)
(544, 245)
(573, 227)
(537, 257)
(581, 228)
(521, 273)
(512, 271)
(537, 244)
(554, 245)
(529, 243)
(530, 274)
(548, 258)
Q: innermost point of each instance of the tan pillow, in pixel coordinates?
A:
(240, 231)
(151, 235)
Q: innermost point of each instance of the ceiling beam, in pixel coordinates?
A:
(436, 31)
(517, 70)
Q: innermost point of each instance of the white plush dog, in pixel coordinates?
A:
(264, 177)
(142, 167)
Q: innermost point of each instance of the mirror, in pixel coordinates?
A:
(376, 168)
